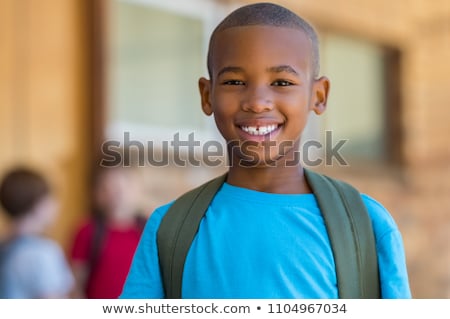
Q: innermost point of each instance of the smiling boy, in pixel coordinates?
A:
(263, 234)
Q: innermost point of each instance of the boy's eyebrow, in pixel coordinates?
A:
(282, 68)
(232, 69)
(273, 69)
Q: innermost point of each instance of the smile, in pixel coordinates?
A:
(259, 130)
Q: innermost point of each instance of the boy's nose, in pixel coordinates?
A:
(257, 100)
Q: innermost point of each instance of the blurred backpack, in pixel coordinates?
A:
(348, 225)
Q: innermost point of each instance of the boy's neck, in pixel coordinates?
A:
(289, 180)
(27, 226)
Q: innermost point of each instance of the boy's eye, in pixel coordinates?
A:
(233, 82)
(282, 83)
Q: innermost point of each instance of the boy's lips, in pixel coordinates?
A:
(259, 130)
(255, 128)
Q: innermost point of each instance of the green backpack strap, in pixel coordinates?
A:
(177, 231)
(346, 218)
(351, 235)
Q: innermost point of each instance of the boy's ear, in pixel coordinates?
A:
(320, 91)
(204, 86)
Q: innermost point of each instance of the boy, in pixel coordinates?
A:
(31, 266)
(263, 235)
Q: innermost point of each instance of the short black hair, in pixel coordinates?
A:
(20, 190)
(267, 14)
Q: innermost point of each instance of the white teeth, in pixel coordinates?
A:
(259, 130)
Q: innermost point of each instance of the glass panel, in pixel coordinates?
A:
(155, 60)
(356, 107)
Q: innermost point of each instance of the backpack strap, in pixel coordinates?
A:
(177, 231)
(351, 235)
(347, 222)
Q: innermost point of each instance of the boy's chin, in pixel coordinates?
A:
(253, 161)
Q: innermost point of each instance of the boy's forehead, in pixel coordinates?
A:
(262, 30)
(247, 39)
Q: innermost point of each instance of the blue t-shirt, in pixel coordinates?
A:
(253, 244)
(34, 267)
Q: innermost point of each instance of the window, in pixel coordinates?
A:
(363, 105)
(156, 53)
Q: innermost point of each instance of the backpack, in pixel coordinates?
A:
(347, 222)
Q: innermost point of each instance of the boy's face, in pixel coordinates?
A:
(261, 90)
(114, 191)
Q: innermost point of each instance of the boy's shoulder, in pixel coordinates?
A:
(157, 215)
(373, 205)
(382, 220)
(31, 249)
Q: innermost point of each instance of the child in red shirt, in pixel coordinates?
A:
(104, 244)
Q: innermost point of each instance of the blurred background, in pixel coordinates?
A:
(77, 73)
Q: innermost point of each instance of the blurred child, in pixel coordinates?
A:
(31, 266)
(104, 245)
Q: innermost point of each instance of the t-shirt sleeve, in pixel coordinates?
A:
(390, 250)
(144, 277)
